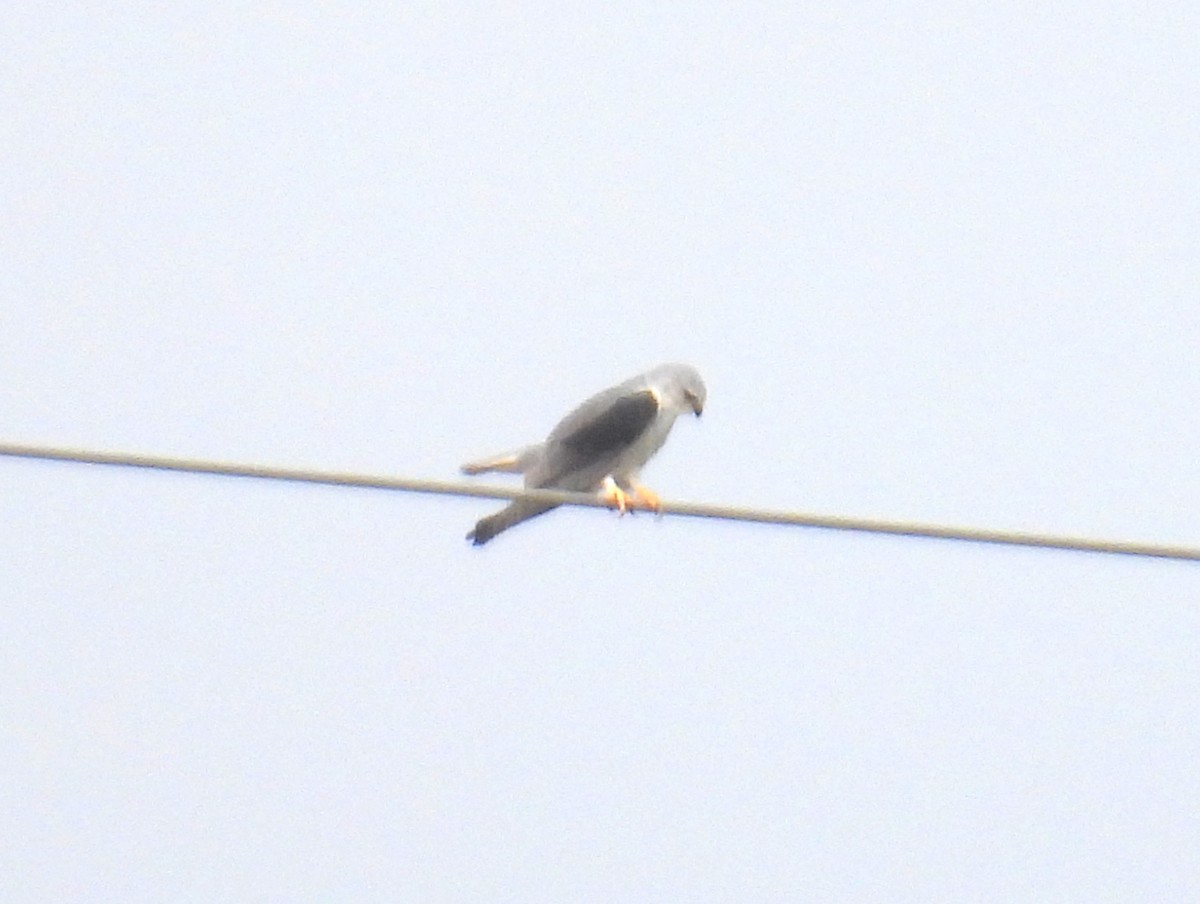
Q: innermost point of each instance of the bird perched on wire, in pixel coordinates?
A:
(601, 446)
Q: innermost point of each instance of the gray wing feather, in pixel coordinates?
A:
(614, 428)
(518, 461)
(583, 448)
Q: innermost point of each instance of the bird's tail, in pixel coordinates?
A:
(512, 514)
(515, 462)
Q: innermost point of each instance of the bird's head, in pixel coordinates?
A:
(682, 384)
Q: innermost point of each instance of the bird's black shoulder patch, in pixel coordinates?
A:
(623, 422)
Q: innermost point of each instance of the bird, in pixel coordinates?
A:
(600, 447)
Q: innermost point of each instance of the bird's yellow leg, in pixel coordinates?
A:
(645, 498)
(615, 496)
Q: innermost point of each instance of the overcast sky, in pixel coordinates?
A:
(936, 261)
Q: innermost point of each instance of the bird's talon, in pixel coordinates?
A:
(647, 499)
(617, 498)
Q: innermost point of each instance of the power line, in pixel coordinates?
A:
(557, 497)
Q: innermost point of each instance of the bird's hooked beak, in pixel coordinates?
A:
(697, 405)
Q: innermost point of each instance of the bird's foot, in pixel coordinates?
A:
(639, 497)
(614, 496)
(644, 498)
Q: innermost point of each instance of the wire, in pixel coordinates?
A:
(691, 509)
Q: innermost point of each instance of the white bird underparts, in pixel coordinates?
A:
(601, 446)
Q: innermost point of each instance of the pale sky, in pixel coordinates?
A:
(936, 261)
